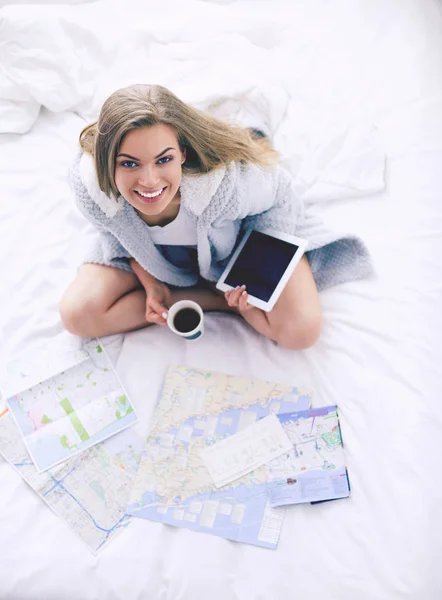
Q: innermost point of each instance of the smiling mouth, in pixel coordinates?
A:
(150, 198)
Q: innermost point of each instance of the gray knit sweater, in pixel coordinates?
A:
(221, 203)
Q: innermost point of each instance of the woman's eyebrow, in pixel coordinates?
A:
(128, 156)
(157, 156)
(164, 151)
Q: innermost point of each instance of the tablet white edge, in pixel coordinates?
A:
(257, 302)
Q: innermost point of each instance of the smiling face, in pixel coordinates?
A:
(148, 172)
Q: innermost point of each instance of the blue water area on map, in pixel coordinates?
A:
(228, 420)
(306, 414)
(252, 499)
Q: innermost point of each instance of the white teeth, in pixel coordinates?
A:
(152, 195)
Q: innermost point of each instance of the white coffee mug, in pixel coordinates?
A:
(186, 319)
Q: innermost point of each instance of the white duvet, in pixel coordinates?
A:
(351, 93)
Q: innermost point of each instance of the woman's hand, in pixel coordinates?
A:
(257, 318)
(237, 298)
(158, 301)
(158, 295)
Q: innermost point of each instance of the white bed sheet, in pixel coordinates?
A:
(378, 357)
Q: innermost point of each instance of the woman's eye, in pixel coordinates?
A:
(164, 160)
(127, 164)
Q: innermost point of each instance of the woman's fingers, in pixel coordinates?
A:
(156, 312)
(243, 304)
(233, 296)
(153, 317)
(156, 306)
(230, 297)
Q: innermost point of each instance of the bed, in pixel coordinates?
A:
(351, 93)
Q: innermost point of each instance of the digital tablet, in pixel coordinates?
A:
(263, 262)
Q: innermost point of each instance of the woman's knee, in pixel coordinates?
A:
(299, 333)
(79, 317)
(87, 299)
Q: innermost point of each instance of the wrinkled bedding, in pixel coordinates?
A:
(351, 93)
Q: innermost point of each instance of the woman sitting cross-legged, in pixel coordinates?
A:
(170, 189)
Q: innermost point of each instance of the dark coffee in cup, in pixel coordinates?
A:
(186, 320)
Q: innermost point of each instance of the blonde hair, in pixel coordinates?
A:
(209, 143)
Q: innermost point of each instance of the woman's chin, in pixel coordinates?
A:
(155, 214)
(152, 208)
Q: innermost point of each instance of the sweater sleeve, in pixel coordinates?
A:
(334, 257)
(284, 208)
(105, 249)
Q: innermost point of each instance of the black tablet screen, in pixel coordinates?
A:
(261, 264)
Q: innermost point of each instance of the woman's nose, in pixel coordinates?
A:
(149, 177)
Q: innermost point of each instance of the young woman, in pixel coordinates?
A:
(170, 190)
